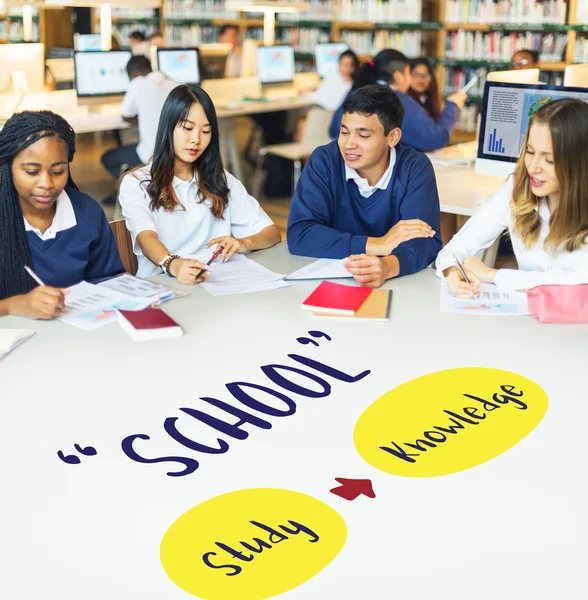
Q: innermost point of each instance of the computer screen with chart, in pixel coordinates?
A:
(275, 64)
(326, 57)
(179, 64)
(101, 73)
(506, 111)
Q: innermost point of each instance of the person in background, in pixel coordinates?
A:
(157, 39)
(183, 201)
(46, 223)
(423, 87)
(544, 207)
(420, 131)
(367, 197)
(143, 103)
(334, 88)
(525, 59)
(229, 34)
(137, 43)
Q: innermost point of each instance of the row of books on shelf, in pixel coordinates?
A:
(190, 35)
(14, 31)
(581, 50)
(197, 9)
(132, 13)
(367, 42)
(121, 31)
(467, 119)
(304, 39)
(318, 10)
(506, 11)
(499, 46)
(16, 11)
(381, 11)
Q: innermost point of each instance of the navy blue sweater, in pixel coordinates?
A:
(329, 218)
(85, 252)
(419, 130)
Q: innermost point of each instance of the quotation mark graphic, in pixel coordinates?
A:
(350, 489)
(315, 334)
(73, 459)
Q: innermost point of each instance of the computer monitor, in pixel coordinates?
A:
(214, 59)
(179, 64)
(506, 110)
(518, 76)
(576, 76)
(88, 42)
(326, 57)
(28, 58)
(275, 64)
(101, 73)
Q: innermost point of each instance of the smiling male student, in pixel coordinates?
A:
(368, 197)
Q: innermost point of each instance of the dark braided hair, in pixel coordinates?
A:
(19, 132)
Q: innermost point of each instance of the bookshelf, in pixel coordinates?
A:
(11, 25)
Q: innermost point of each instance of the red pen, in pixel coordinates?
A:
(212, 259)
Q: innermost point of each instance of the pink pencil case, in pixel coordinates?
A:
(559, 303)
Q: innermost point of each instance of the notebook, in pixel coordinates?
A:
(336, 298)
(375, 308)
(148, 324)
(11, 338)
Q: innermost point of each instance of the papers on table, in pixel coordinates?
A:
(11, 338)
(491, 302)
(239, 276)
(90, 306)
(323, 268)
(141, 288)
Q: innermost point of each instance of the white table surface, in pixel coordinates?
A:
(512, 528)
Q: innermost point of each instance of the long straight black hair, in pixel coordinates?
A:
(21, 131)
(212, 180)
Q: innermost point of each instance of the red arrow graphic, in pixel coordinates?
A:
(350, 489)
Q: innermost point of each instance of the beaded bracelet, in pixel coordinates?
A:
(168, 261)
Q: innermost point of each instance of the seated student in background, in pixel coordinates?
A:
(183, 201)
(544, 207)
(336, 85)
(156, 39)
(137, 43)
(525, 59)
(143, 102)
(45, 222)
(229, 34)
(420, 131)
(423, 87)
(366, 196)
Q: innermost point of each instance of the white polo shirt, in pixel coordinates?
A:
(536, 266)
(365, 189)
(144, 99)
(187, 229)
(64, 218)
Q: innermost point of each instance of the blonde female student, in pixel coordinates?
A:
(183, 201)
(46, 223)
(544, 206)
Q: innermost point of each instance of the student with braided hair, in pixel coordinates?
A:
(45, 221)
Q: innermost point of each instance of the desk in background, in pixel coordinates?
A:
(103, 520)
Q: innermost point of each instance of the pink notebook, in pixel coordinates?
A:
(336, 298)
(148, 324)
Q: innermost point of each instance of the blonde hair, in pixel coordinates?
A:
(568, 225)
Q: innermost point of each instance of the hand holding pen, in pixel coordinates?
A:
(459, 283)
(42, 302)
(212, 259)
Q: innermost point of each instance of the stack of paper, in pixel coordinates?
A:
(490, 302)
(141, 288)
(324, 268)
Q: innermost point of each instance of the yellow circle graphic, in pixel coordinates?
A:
(251, 544)
(448, 421)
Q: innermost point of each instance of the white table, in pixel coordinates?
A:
(511, 528)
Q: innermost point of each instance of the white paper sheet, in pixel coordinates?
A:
(239, 275)
(90, 306)
(11, 338)
(139, 288)
(324, 268)
(491, 302)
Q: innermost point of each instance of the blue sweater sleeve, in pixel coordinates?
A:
(335, 125)
(104, 260)
(420, 131)
(309, 232)
(421, 201)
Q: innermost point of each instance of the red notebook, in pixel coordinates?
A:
(148, 324)
(336, 298)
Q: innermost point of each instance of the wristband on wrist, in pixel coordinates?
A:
(167, 261)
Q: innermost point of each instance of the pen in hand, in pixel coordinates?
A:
(33, 275)
(212, 259)
(463, 274)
